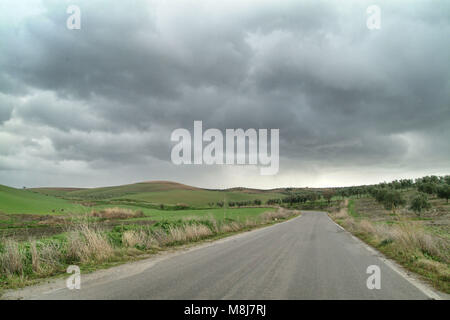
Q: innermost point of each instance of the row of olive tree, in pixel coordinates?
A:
(393, 199)
(388, 193)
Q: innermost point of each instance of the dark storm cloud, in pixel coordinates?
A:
(5, 113)
(110, 94)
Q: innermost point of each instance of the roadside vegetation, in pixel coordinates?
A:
(408, 221)
(88, 243)
(44, 230)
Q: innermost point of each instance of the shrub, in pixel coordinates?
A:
(444, 192)
(139, 239)
(427, 187)
(420, 203)
(86, 244)
(117, 213)
(393, 199)
(11, 258)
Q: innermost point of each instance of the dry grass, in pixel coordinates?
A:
(86, 244)
(281, 213)
(187, 233)
(408, 236)
(139, 238)
(436, 267)
(406, 241)
(46, 258)
(367, 227)
(117, 213)
(197, 232)
(35, 260)
(412, 237)
(11, 258)
(176, 234)
(230, 227)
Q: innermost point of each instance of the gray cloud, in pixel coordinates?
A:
(104, 99)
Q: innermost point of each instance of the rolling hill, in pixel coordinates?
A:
(144, 194)
(25, 201)
(161, 192)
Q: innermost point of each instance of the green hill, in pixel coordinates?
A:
(161, 192)
(25, 201)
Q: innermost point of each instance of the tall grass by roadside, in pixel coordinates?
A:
(406, 242)
(87, 244)
(117, 213)
(11, 258)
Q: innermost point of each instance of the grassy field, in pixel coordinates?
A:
(25, 201)
(43, 230)
(160, 192)
(45, 212)
(199, 198)
(238, 214)
(144, 196)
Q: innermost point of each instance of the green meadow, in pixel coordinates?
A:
(25, 201)
(42, 212)
(236, 214)
(146, 194)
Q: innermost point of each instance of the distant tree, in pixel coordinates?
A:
(406, 183)
(181, 206)
(328, 195)
(447, 179)
(379, 194)
(273, 201)
(383, 185)
(420, 203)
(443, 191)
(428, 179)
(396, 184)
(393, 199)
(427, 187)
(257, 202)
(312, 196)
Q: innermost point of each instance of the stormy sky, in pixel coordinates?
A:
(96, 106)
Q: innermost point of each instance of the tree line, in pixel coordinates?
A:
(387, 193)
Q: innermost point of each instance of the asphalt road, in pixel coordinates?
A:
(308, 257)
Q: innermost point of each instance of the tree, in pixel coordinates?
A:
(328, 194)
(443, 192)
(379, 194)
(393, 199)
(420, 203)
(257, 202)
(406, 183)
(447, 179)
(427, 187)
(312, 196)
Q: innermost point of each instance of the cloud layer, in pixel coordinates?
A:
(96, 106)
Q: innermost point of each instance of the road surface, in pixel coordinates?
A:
(308, 257)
